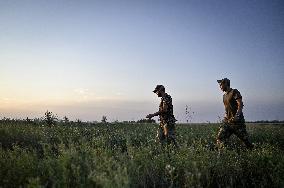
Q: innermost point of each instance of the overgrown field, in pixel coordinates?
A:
(126, 155)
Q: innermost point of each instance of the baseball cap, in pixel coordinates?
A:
(158, 87)
(224, 80)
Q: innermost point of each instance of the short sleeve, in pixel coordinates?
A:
(168, 100)
(237, 94)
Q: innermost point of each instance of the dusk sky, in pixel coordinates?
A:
(86, 59)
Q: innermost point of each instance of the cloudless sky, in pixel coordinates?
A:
(85, 59)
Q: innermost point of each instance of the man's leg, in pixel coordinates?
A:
(242, 134)
(223, 135)
(160, 137)
(171, 135)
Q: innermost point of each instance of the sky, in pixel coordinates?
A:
(85, 59)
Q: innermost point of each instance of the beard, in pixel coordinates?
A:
(159, 95)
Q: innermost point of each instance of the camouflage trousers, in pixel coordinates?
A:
(226, 130)
(166, 133)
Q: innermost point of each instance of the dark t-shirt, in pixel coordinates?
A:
(230, 103)
(168, 116)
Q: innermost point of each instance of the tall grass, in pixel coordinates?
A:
(126, 155)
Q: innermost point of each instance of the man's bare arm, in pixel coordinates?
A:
(240, 106)
(239, 110)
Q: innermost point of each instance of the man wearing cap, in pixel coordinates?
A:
(233, 122)
(166, 131)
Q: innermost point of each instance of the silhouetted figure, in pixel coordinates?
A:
(166, 131)
(233, 122)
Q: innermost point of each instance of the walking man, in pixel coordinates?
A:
(233, 122)
(166, 131)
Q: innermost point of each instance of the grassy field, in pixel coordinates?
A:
(126, 155)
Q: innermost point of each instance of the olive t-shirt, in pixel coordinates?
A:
(230, 103)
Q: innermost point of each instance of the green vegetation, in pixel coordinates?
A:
(77, 154)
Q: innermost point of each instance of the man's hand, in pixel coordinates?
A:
(237, 117)
(225, 120)
(150, 116)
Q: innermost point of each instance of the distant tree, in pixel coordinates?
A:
(104, 119)
(28, 120)
(146, 121)
(66, 119)
(49, 118)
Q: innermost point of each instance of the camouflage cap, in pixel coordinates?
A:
(224, 80)
(158, 87)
